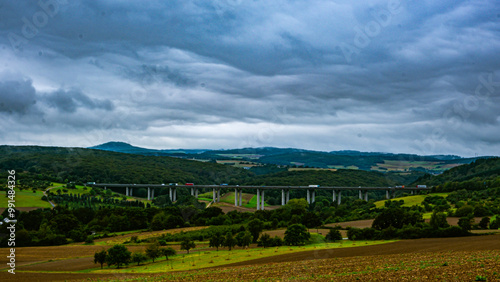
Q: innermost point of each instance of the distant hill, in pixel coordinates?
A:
(122, 147)
(478, 175)
(292, 157)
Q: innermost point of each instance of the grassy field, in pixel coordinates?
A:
(411, 200)
(27, 199)
(253, 202)
(202, 259)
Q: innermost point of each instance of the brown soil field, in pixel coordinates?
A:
(358, 224)
(229, 207)
(436, 266)
(450, 259)
(368, 222)
(281, 232)
(146, 234)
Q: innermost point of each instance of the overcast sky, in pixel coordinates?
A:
(391, 76)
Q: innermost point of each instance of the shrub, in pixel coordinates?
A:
(333, 235)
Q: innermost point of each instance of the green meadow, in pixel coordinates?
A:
(411, 200)
(201, 259)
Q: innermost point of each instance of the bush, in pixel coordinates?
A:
(89, 239)
(296, 234)
(333, 235)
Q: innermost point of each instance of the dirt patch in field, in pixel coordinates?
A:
(281, 232)
(39, 256)
(228, 207)
(358, 224)
(37, 276)
(368, 222)
(147, 234)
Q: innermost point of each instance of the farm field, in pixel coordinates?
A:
(454, 259)
(28, 199)
(411, 200)
(396, 165)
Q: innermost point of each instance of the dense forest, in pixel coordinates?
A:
(87, 165)
(478, 175)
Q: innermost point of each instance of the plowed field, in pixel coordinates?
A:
(451, 259)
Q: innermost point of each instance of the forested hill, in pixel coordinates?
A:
(480, 174)
(341, 177)
(87, 165)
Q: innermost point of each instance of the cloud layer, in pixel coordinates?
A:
(395, 76)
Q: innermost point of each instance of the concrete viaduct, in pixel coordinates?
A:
(285, 191)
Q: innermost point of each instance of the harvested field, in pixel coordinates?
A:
(436, 266)
(456, 259)
(368, 222)
(281, 232)
(146, 234)
(358, 224)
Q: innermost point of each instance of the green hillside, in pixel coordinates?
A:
(479, 175)
(88, 165)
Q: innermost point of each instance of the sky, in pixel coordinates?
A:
(394, 76)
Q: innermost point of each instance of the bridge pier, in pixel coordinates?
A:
(149, 193)
(313, 196)
(334, 196)
(339, 198)
(152, 194)
(258, 199)
(241, 197)
(366, 195)
(192, 191)
(287, 196)
(213, 195)
(387, 196)
(235, 197)
(262, 199)
(360, 194)
(218, 195)
(130, 191)
(308, 197)
(196, 193)
(126, 191)
(282, 197)
(170, 193)
(175, 195)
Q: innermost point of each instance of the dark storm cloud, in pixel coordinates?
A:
(150, 74)
(347, 69)
(69, 101)
(17, 96)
